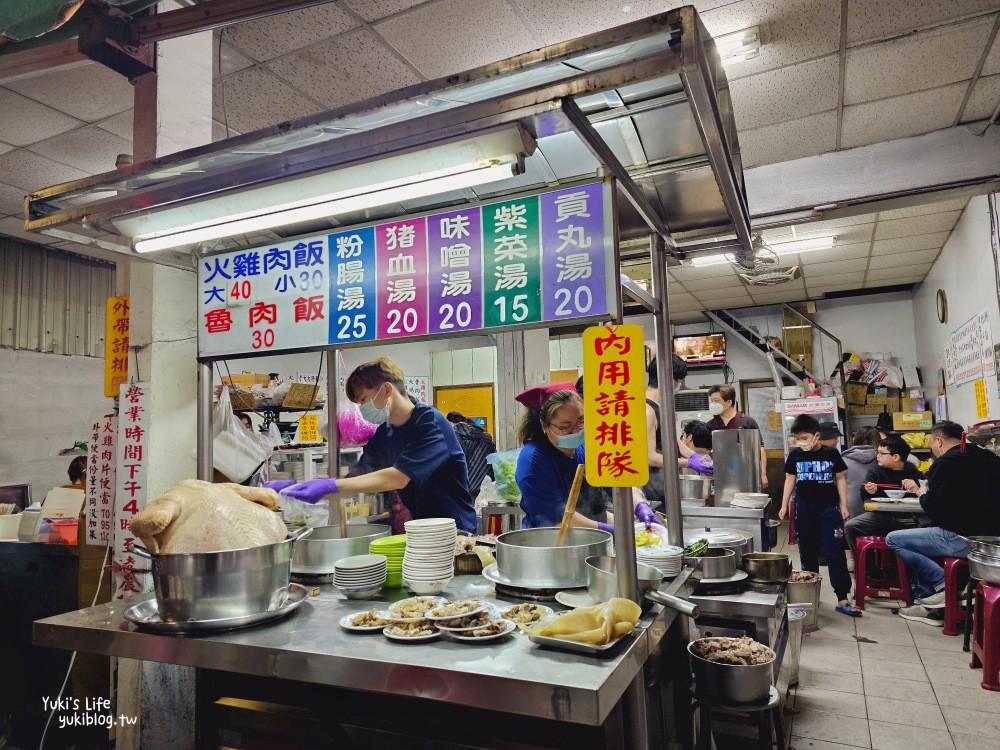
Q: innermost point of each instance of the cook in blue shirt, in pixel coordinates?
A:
(414, 451)
(551, 433)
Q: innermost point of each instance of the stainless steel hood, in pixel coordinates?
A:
(648, 102)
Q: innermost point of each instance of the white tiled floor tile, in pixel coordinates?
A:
(973, 741)
(885, 652)
(905, 712)
(971, 698)
(803, 743)
(844, 682)
(957, 676)
(956, 659)
(899, 670)
(937, 642)
(886, 736)
(821, 726)
(893, 687)
(830, 662)
(887, 637)
(971, 721)
(830, 701)
(829, 634)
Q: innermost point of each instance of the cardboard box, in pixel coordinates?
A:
(855, 410)
(912, 421)
(857, 393)
(247, 379)
(875, 409)
(890, 402)
(909, 404)
(302, 396)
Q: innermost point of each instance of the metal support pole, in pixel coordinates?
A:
(664, 365)
(205, 465)
(332, 397)
(628, 585)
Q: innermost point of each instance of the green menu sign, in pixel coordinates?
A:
(511, 263)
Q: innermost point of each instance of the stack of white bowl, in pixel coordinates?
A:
(754, 500)
(666, 559)
(429, 561)
(360, 576)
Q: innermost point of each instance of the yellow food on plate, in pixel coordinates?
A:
(598, 625)
(646, 539)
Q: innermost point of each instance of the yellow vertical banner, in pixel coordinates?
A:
(614, 404)
(116, 345)
(982, 405)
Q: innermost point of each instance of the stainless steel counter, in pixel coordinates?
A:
(513, 676)
(750, 520)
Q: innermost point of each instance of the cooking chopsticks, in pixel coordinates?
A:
(574, 495)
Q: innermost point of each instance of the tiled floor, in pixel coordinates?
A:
(881, 682)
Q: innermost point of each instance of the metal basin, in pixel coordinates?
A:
(220, 585)
(530, 557)
(767, 567)
(695, 488)
(602, 583)
(984, 545)
(984, 567)
(324, 547)
(731, 684)
(715, 563)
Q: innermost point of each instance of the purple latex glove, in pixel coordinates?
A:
(645, 514)
(312, 491)
(608, 527)
(701, 464)
(279, 484)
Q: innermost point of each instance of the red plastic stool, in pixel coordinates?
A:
(878, 587)
(954, 613)
(986, 634)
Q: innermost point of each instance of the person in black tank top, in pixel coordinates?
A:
(654, 487)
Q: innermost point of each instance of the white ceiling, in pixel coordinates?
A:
(892, 68)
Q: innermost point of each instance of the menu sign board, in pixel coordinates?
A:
(543, 258)
(101, 480)
(132, 448)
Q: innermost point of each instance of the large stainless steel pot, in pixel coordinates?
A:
(602, 583)
(695, 488)
(530, 557)
(716, 563)
(767, 567)
(324, 547)
(741, 546)
(984, 545)
(984, 567)
(731, 684)
(217, 585)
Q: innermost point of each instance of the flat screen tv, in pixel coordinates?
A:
(18, 494)
(701, 349)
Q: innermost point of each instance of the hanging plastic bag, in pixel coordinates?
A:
(504, 464)
(237, 452)
(299, 514)
(488, 494)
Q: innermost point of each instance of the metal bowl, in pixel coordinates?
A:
(530, 557)
(695, 488)
(984, 545)
(324, 547)
(731, 684)
(767, 567)
(984, 567)
(715, 563)
(220, 585)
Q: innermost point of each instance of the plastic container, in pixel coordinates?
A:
(64, 530)
(806, 592)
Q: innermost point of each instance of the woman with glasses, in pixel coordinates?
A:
(551, 433)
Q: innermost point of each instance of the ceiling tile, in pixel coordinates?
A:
(373, 10)
(89, 149)
(777, 295)
(831, 283)
(811, 270)
(219, 132)
(914, 63)
(787, 93)
(439, 39)
(351, 68)
(11, 200)
(256, 98)
(4, 148)
(266, 38)
(909, 244)
(904, 260)
(795, 139)
(881, 19)
(890, 275)
(730, 281)
(232, 59)
(984, 100)
(831, 225)
(992, 65)
(88, 93)
(837, 253)
(901, 116)
(845, 235)
(791, 31)
(927, 224)
(24, 121)
(120, 124)
(681, 300)
(684, 273)
(561, 20)
(29, 171)
(956, 204)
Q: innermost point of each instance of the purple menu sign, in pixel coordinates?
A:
(573, 253)
(455, 271)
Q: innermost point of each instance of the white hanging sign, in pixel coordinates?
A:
(101, 472)
(131, 493)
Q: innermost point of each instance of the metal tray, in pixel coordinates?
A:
(145, 616)
(583, 648)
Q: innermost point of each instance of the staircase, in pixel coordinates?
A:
(730, 322)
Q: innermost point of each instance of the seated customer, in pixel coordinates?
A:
(695, 447)
(893, 469)
(959, 496)
(830, 435)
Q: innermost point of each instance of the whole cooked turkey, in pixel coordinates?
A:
(197, 516)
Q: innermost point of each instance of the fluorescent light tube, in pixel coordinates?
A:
(796, 247)
(739, 45)
(330, 206)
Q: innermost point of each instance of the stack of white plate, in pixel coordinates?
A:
(361, 576)
(665, 558)
(755, 500)
(429, 561)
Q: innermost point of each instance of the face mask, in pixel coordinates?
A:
(373, 414)
(570, 442)
(715, 408)
(806, 445)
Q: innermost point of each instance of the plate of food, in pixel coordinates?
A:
(411, 632)
(412, 609)
(469, 622)
(525, 614)
(446, 611)
(363, 622)
(491, 631)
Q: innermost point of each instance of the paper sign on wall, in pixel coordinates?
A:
(418, 386)
(614, 385)
(131, 490)
(969, 354)
(309, 429)
(101, 465)
(982, 405)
